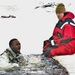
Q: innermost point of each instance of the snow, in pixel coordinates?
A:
(68, 62)
(31, 26)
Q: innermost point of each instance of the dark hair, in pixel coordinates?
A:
(11, 41)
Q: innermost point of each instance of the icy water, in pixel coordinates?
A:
(36, 65)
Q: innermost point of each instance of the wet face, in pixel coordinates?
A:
(16, 46)
(60, 15)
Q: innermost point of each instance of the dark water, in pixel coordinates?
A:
(50, 67)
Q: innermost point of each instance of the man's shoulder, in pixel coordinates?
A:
(7, 52)
(4, 55)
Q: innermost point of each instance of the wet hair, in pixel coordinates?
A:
(11, 41)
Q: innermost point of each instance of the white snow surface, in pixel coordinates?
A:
(31, 26)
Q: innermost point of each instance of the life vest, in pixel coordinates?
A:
(64, 31)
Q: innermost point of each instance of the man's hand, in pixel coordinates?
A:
(46, 52)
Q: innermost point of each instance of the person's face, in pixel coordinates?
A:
(60, 15)
(16, 46)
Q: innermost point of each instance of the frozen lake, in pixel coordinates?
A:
(42, 66)
(31, 26)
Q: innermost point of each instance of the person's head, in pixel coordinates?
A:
(60, 10)
(15, 45)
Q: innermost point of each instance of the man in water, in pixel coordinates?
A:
(12, 55)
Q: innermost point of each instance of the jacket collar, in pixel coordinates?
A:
(14, 54)
(68, 15)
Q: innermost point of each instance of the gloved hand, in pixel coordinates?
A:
(46, 52)
(46, 45)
